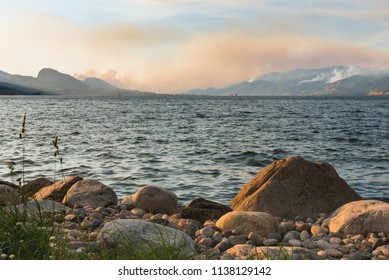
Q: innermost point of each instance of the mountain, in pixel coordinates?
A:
(50, 81)
(337, 80)
(53, 79)
(93, 82)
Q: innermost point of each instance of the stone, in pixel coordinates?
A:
(322, 244)
(316, 230)
(127, 200)
(217, 237)
(91, 193)
(186, 225)
(207, 231)
(336, 240)
(156, 200)
(138, 212)
(245, 222)
(206, 241)
(8, 196)
(291, 235)
(270, 242)
(256, 238)
(145, 235)
(333, 253)
(360, 217)
(223, 245)
(295, 243)
(202, 210)
(32, 187)
(242, 251)
(237, 239)
(304, 235)
(283, 253)
(382, 250)
(294, 186)
(58, 190)
(35, 208)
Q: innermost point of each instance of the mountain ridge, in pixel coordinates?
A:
(334, 80)
(52, 82)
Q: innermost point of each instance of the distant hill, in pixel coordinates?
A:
(50, 81)
(337, 80)
(93, 82)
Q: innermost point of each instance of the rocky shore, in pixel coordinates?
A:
(293, 209)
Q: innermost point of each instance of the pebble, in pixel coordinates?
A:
(295, 243)
(316, 230)
(333, 253)
(275, 235)
(256, 238)
(322, 254)
(207, 231)
(207, 242)
(223, 245)
(304, 235)
(336, 240)
(291, 235)
(322, 244)
(217, 236)
(270, 242)
(301, 226)
(237, 239)
(357, 237)
(309, 244)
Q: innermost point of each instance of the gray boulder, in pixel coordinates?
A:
(35, 208)
(90, 193)
(292, 187)
(360, 217)
(244, 222)
(156, 200)
(145, 235)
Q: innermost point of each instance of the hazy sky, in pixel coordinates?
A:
(176, 45)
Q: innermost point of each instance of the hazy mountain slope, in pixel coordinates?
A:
(337, 80)
(93, 82)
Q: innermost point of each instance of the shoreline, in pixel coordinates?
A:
(81, 228)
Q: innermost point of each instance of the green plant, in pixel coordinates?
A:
(57, 153)
(26, 236)
(22, 136)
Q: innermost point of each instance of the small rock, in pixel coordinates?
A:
(322, 254)
(217, 237)
(207, 231)
(225, 256)
(333, 253)
(316, 230)
(304, 235)
(237, 239)
(270, 242)
(324, 245)
(223, 245)
(207, 242)
(275, 235)
(295, 243)
(301, 226)
(256, 238)
(309, 244)
(357, 237)
(336, 240)
(291, 235)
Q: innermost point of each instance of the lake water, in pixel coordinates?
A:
(196, 146)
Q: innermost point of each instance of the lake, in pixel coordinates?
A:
(195, 145)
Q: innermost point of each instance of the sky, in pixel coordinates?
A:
(171, 46)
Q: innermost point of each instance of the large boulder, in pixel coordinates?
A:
(156, 200)
(32, 187)
(202, 210)
(36, 208)
(294, 186)
(90, 193)
(244, 222)
(145, 236)
(8, 196)
(58, 190)
(360, 217)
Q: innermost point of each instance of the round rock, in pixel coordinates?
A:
(245, 222)
(156, 200)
